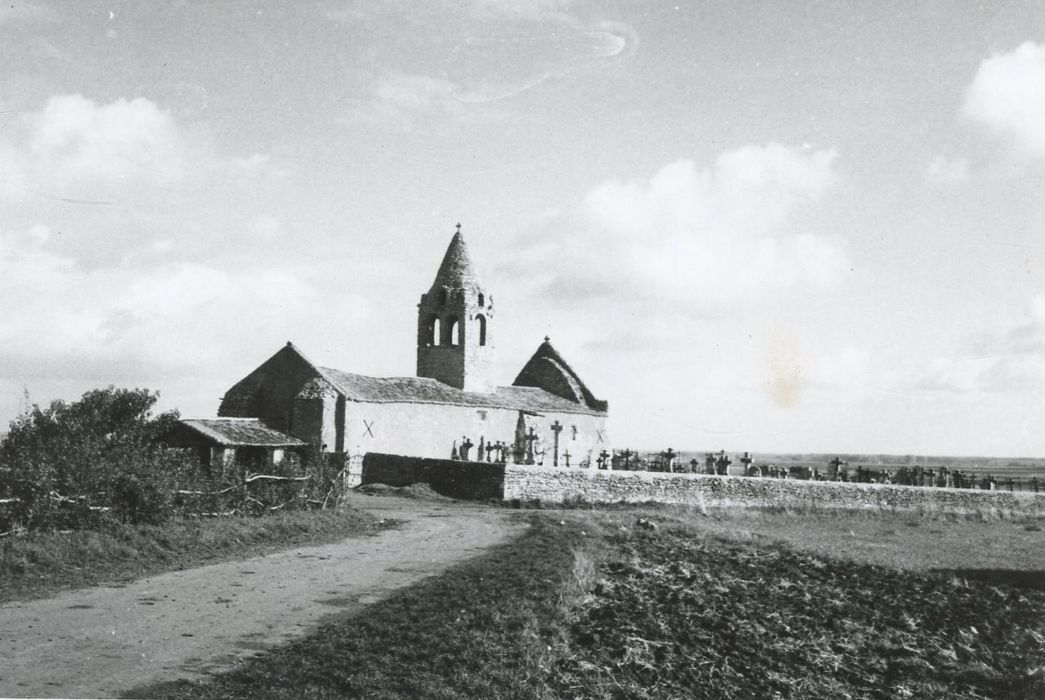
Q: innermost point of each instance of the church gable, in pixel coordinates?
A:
(268, 392)
(547, 370)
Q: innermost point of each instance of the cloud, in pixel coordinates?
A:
(75, 139)
(75, 149)
(156, 318)
(403, 99)
(499, 49)
(711, 236)
(1007, 359)
(1008, 96)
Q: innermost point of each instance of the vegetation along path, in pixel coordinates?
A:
(99, 642)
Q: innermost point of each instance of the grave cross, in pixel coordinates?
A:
(490, 447)
(627, 455)
(566, 454)
(466, 445)
(746, 461)
(669, 455)
(556, 428)
(601, 461)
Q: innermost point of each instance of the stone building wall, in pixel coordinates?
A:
(593, 486)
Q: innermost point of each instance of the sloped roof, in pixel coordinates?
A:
(358, 387)
(548, 371)
(456, 270)
(239, 432)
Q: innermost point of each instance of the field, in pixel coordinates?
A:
(666, 603)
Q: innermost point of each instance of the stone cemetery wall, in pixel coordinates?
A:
(475, 481)
(550, 485)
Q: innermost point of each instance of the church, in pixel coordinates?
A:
(452, 408)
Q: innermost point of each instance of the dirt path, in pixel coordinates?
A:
(99, 642)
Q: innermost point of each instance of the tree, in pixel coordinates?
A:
(99, 451)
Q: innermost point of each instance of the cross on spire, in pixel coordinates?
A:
(458, 226)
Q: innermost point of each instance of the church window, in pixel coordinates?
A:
(432, 331)
(482, 300)
(482, 328)
(454, 331)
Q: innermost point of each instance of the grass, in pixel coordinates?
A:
(41, 563)
(598, 604)
(489, 628)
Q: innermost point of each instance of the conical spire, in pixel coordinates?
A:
(456, 269)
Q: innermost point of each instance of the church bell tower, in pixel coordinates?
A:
(454, 339)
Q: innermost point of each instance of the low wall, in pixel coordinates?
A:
(556, 485)
(475, 481)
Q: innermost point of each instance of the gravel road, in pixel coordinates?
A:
(99, 642)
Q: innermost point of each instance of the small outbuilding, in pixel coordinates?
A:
(221, 442)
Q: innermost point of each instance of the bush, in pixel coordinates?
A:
(136, 501)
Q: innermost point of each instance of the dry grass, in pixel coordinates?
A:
(39, 563)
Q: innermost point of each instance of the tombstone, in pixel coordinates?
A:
(746, 461)
(693, 465)
(466, 447)
(709, 463)
(454, 455)
(669, 456)
(722, 463)
(832, 469)
(491, 448)
(480, 451)
(603, 460)
(949, 482)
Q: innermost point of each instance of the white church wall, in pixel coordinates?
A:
(431, 430)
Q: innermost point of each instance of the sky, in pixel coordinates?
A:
(790, 227)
